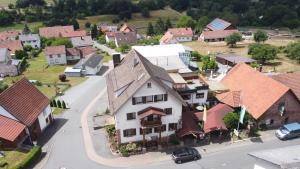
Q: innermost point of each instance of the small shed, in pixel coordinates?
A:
(72, 72)
(232, 59)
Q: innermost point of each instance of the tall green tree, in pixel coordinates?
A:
(231, 120)
(3, 86)
(94, 32)
(20, 54)
(26, 29)
(201, 23)
(233, 39)
(262, 52)
(168, 24)
(145, 12)
(185, 21)
(159, 26)
(150, 29)
(293, 51)
(75, 23)
(260, 36)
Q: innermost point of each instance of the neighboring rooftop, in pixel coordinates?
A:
(55, 31)
(93, 61)
(9, 35)
(127, 28)
(291, 80)
(234, 58)
(72, 34)
(54, 50)
(179, 32)
(231, 98)
(126, 38)
(82, 41)
(10, 129)
(29, 37)
(257, 94)
(12, 45)
(218, 24)
(24, 101)
(218, 34)
(4, 56)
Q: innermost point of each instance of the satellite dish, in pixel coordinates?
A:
(201, 108)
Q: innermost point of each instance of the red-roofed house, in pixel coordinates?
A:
(73, 34)
(268, 101)
(56, 55)
(23, 106)
(9, 35)
(177, 35)
(55, 31)
(126, 28)
(12, 45)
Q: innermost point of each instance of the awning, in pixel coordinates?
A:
(151, 111)
(189, 125)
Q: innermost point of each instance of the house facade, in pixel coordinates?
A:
(56, 55)
(142, 99)
(177, 35)
(32, 40)
(23, 106)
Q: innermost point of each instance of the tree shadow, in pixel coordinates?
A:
(103, 70)
(256, 140)
(273, 64)
(51, 130)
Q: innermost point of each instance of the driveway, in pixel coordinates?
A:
(104, 48)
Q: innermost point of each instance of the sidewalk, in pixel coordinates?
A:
(153, 157)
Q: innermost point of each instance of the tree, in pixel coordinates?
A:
(58, 42)
(26, 29)
(260, 36)
(262, 52)
(62, 77)
(233, 39)
(231, 120)
(208, 63)
(168, 24)
(20, 54)
(54, 103)
(293, 51)
(145, 12)
(3, 86)
(150, 29)
(87, 24)
(196, 56)
(64, 105)
(94, 32)
(201, 23)
(75, 23)
(58, 104)
(185, 21)
(159, 26)
(27, 48)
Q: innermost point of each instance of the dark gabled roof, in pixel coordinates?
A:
(234, 58)
(126, 37)
(24, 101)
(130, 75)
(93, 61)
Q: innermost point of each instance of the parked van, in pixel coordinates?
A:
(288, 131)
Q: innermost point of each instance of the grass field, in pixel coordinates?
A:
(137, 20)
(13, 158)
(282, 64)
(39, 70)
(33, 26)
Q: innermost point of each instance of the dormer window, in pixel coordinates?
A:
(149, 85)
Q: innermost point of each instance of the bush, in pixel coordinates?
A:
(54, 103)
(123, 151)
(87, 24)
(58, 104)
(173, 139)
(131, 147)
(111, 130)
(64, 105)
(62, 77)
(34, 153)
(3, 164)
(231, 120)
(38, 83)
(101, 39)
(111, 45)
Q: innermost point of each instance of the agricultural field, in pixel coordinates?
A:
(34, 26)
(40, 71)
(281, 64)
(137, 20)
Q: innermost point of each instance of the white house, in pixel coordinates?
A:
(32, 40)
(56, 55)
(90, 65)
(177, 35)
(171, 57)
(4, 55)
(25, 104)
(143, 101)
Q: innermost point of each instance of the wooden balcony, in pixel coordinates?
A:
(152, 123)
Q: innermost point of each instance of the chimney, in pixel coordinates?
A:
(116, 59)
(260, 68)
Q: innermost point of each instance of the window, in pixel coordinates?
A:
(281, 108)
(172, 126)
(58, 55)
(186, 97)
(131, 116)
(149, 99)
(129, 132)
(200, 95)
(158, 98)
(149, 85)
(168, 111)
(163, 128)
(137, 100)
(147, 131)
(50, 56)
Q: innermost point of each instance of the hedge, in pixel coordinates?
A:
(34, 153)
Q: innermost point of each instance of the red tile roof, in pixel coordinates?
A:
(54, 50)
(72, 52)
(72, 34)
(10, 129)
(55, 31)
(85, 51)
(189, 125)
(231, 98)
(110, 34)
(12, 45)
(181, 31)
(291, 80)
(166, 38)
(24, 101)
(215, 115)
(258, 92)
(9, 35)
(218, 34)
(126, 28)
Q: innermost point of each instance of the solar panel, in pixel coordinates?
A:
(218, 24)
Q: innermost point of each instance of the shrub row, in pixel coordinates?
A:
(33, 155)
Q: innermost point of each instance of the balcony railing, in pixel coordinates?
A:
(152, 123)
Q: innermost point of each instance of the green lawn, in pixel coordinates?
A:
(13, 158)
(57, 111)
(34, 26)
(39, 70)
(137, 19)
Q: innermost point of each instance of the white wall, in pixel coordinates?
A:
(184, 39)
(71, 58)
(43, 116)
(93, 71)
(121, 118)
(5, 113)
(56, 60)
(32, 43)
(195, 100)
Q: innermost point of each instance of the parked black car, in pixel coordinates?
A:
(185, 154)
